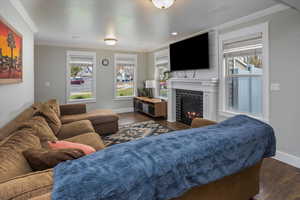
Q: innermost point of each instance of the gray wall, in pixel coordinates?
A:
(15, 98)
(284, 69)
(284, 30)
(51, 67)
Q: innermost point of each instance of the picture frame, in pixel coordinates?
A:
(11, 54)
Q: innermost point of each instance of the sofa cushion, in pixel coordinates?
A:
(54, 104)
(58, 145)
(75, 128)
(13, 125)
(41, 128)
(27, 186)
(12, 161)
(96, 117)
(41, 159)
(51, 117)
(91, 139)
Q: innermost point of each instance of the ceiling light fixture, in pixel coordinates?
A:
(174, 33)
(110, 41)
(163, 4)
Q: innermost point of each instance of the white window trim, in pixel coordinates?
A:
(68, 73)
(260, 28)
(135, 57)
(159, 54)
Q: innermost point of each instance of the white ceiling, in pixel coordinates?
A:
(137, 24)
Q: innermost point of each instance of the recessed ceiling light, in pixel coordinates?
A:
(110, 41)
(174, 33)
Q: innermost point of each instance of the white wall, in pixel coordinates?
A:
(16, 97)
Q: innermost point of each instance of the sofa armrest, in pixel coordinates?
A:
(200, 122)
(72, 109)
(27, 186)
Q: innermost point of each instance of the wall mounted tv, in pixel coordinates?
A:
(190, 54)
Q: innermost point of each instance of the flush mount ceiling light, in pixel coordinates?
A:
(163, 4)
(174, 33)
(110, 41)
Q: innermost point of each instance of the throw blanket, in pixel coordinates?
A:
(164, 167)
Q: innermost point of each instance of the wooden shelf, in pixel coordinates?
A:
(150, 106)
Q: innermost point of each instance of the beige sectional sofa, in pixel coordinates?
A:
(17, 180)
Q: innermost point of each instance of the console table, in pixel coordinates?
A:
(150, 106)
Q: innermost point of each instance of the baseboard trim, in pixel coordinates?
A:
(123, 110)
(288, 159)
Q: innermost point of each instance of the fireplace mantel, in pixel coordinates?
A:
(209, 87)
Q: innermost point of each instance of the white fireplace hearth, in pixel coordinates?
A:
(209, 88)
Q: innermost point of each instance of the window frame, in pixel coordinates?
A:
(93, 55)
(235, 35)
(159, 61)
(116, 61)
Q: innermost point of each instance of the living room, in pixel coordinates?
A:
(130, 78)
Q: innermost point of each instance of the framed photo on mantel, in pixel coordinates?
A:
(11, 50)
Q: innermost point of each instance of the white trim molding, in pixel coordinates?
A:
(24, 14)
(209, 87)
(124, 58)
(92, 55)
(269, 11)
(260, 28)
(123, 110)
(288, 158)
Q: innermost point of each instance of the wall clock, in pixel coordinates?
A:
(105, 62)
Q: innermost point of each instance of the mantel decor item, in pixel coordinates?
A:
(11, 67)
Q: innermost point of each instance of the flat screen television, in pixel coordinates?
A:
(190, 54)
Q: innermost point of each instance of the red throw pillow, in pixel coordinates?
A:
(70, 145)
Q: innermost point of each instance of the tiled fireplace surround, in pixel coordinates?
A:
(209, 102)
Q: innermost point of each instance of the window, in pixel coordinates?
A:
(81, 76)
(125, 75)
(245, 74)
(161, 73)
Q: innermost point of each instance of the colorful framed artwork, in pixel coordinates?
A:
(11, 49)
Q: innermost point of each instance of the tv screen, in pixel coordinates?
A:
(190, 54)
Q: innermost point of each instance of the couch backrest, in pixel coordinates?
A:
(14, 124)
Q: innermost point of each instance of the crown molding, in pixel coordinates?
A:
(274, 9)
(24, 14)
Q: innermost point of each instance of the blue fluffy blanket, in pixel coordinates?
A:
(163, 167)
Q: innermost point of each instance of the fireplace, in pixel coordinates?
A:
(189, 105)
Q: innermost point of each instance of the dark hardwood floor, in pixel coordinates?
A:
(279, 181)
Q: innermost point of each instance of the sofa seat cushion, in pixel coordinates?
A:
(12, 161)
(96, 117)
(41, 128)
(75, 128)
(91, 139)
(27, 186)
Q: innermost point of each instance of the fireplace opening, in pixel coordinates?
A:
(189, 105)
